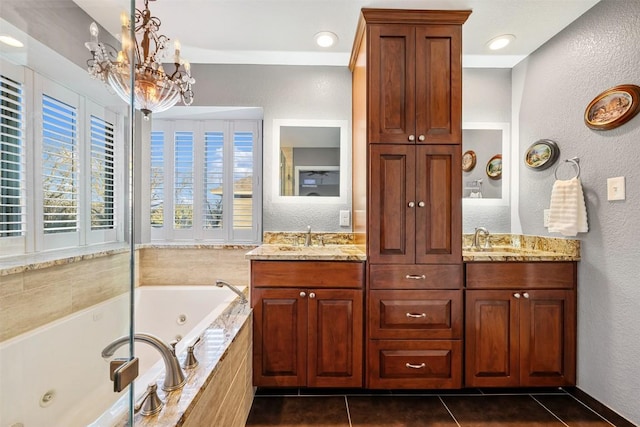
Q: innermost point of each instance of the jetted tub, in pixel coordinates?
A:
(55, 375)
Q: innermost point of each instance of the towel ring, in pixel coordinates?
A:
(575, 162)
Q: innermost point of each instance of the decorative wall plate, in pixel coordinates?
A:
(541, 154)
(613, 107)
(468, 160)
(494, 167)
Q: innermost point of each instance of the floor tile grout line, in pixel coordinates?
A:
(449, 411)
(591, 409)
(346, 402)
(548, 410)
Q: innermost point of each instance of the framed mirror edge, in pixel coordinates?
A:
(506, 162)
(344, 161)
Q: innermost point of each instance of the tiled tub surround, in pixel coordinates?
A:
(40, 289)
(218, 391)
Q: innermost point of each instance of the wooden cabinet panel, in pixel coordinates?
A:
(547, 338)
(415, 314)
(519, 275)
(491, 319)
(438, 205)
(415, 276)
(438, 84)
(391, 83)
(327, 274)
(416, 364)
(520, 338)
(335, 338)
(280, 334)
(391, 230)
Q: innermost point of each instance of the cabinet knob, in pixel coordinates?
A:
(412, 138)
(303, 294)
(421, 138)
(312, 295)
(517, 295)
(411, 204)
(526, 294)
(412, 366)
(421, 204)
(416, 316)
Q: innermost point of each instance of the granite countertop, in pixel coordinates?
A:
(517, 248)
(308, 253)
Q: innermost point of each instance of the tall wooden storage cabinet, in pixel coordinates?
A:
(407, 193)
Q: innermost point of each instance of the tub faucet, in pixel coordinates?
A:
(221, 283)
(307, 240)
(173, 375)
(485, 232)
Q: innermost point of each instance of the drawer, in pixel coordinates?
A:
(521, 275)
(415, 276)
(414, 364)
(317, 274)
(415, 314)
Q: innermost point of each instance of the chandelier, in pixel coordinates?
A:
(154, 90)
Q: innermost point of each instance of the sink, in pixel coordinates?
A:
(502, 249)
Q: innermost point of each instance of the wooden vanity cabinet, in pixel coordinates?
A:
(307, 323)
(520, 323)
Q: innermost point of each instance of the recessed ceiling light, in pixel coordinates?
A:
(326, 38)
(500, 41)
(8, 40)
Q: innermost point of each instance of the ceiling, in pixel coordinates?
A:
(281, 31)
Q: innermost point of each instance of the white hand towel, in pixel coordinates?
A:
(567, 210)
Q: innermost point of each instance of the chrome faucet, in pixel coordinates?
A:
(485, 232)
(307, 240)
(221, 283)
(173, 375)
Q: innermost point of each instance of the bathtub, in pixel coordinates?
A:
(55, 375)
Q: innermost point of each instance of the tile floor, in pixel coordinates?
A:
(462, 408)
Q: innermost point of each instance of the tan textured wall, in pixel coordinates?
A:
(36, 297)
(228, 394)
(193, 266)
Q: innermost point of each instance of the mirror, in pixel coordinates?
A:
(312, 155)
(485, 168)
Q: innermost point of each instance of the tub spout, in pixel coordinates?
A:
(173, 375)
(221, 283)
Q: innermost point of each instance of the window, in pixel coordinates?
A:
(102, 174)
(11, 158)
(59, 166)
(211, 167)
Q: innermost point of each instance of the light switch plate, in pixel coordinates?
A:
(615, 188)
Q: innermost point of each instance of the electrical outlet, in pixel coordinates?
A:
(345, 219)
(545, 220)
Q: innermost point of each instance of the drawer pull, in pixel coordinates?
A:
(415, 276)
(414, 315)
(420, 366)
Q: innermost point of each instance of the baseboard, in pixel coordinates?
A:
(609, 414)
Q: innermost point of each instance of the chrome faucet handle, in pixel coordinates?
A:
(149, 403)
(173, 344)
(190, 361)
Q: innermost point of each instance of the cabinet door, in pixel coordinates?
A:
(335, 338)
(491, 339)
(392, 204)
(279, 337)
(391, 87)
(439, 84)
(548, 338)
(438, 205)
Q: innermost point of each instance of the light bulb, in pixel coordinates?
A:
(93, 29)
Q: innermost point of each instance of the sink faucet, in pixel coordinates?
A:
(221, 283)
(307, 240)
(173, 375)
(485, 232)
